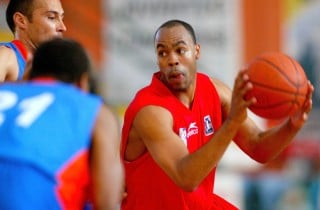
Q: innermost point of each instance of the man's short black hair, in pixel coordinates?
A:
(175, 22)
(61, 58)
(23, 6)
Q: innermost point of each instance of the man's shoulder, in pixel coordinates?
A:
(7, 48)
(7, 60)
(7, 44)
(203, 76)
(15, 46)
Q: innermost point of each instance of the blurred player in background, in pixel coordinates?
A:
(177, 129)
(60, 145)
(31, 22)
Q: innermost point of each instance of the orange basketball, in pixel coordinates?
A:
(279, 83)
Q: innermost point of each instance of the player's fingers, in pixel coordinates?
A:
(246, 86)
(310, 90)
(308, 103)
(241, 87)
(240, 84)
(240, 79)
(307, 106)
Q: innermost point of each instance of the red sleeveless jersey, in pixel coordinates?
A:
(147, 184)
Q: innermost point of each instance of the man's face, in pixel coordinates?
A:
(46, 22)
(176, 57)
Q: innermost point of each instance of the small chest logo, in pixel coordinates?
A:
(183, 135)
(208, 128)
(187, 133)
(192, 130)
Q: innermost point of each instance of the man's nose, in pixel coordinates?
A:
(173, 59)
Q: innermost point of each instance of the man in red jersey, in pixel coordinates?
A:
(31, 22)
(177, 128)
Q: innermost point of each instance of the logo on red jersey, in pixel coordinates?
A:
(208, 128)
(192, 130)
(186, 133)
(183, 135)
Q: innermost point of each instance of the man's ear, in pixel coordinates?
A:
(197, 51)
(83, 83)
(20, 20)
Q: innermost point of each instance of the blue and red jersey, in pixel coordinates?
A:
(21, 54)
(45, 137)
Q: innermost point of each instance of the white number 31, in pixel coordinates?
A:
(29, 108)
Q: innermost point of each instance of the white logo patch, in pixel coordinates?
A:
(208, 128)
(192, 130)
(183, 135)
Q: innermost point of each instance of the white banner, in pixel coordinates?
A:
(130, 56)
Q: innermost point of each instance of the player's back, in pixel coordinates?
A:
(45, 131)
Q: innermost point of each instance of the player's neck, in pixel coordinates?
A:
(29, 45)
(186, 97)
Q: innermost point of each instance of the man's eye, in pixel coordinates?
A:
(161, 54)
(181, 51)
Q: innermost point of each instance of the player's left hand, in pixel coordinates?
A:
(299, 118)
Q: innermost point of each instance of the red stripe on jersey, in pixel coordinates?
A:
(73, 182)
(21, 48)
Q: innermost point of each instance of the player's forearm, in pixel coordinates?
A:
(273, 141)
(199, 164)
(109, 191)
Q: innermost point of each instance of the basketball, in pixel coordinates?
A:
(279, 83)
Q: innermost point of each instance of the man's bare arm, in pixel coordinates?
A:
(8, 64)
(106, 166)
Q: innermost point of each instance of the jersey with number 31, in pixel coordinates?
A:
(45, 135)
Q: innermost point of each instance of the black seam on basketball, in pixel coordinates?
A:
(300, 83)
(278, 69)
(276, 89)
(271, 114)
(274, 105)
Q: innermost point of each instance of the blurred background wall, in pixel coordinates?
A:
(118, 35)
